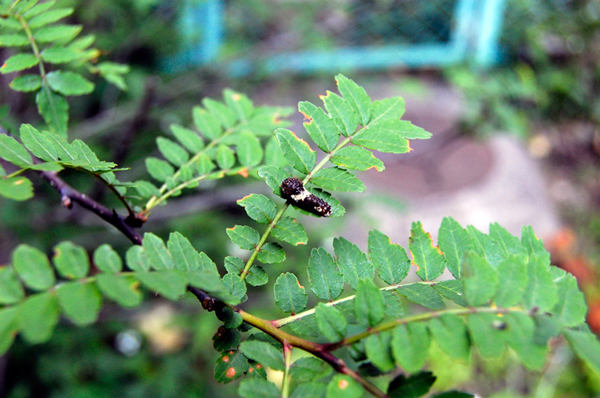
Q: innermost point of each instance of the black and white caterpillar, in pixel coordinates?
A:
(293, 190)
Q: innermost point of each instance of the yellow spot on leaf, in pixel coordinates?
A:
(19, 182)
(236, 97)
(251, 370)
(343, 384)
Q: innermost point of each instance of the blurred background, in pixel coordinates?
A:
(510, 90)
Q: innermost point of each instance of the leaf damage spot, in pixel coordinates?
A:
(306, 117)
(236, 97)
(230, 372)
(243, 172)
(19, 182)
(226, 359)
(343, 384)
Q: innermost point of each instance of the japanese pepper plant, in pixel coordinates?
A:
(504, 293)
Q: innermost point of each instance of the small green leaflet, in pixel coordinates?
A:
(480, 280)
(36, 328)
(387, 108)
(173, 152)
(356, 96)
(541, 290)
(16, 188)
(156, 253)
(249, 150)
(256, 276)
(383, 137)
(428, 259)
(258, 388)
(26, 83)
(336, 179)
(331, 322)
(123, 290)
(231, 365)
(170, 284)
(183, 254)
(33, 267)
(263, 353)
(454, 242)
(410, 346)
(159, 169)
(422, 294)
(379, 351)
(71, 261)
(206, 123)
(297, 152)
(11, 289)
(69, 83)
(357, 158)
(414, 386)
(450, 332)
(326, 280)
(290, 231)
(368, 303)
(186, 137)
(54, 108)
(19, 62)
(80, 302)
(320, 127)
(271, 253)
(245, 237)
(353, 262)
(259, 208)
(290, 296)
(389, 259)
(341, 112)
(14, 152)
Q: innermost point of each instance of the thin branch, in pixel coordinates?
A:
(69, 195)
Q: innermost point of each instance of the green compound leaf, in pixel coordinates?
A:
(428, 259)
(341, 112)
(486, 247)
(533, 245)
(136, 260)
(273, 176)
(352, 262)
(290, 296)
(357, 158)
(452, 290)
(230, 366)
(13, 40)
(541, 290)
(245, 237)
(187, 138)
(291, 231)
(170, 284)
(173, 152)
(520, 337)
(509, 243)
(61, 34)
(225, 157)
(50, 17)
(16, 188)
(389, 259)
(80, 302)
(239, 103)
(297, 152)
(263, 353)
(454, 242)
(38, 143)
(33, 267)
(71, 261)
(256, 275)
(343, 386)
(249, 150)
(320, 127)
(309, 390)
(410, 346)
(225, 115)
(69, 83)
(122, 289)
(35, 327)
(324, 276)
(273, 154)
(185, 257)
(26, 83)
(159, 169)
(513, 280)
(585, 344)
(236, 287)
(259, 208)
(480, 280)
(14, 152)
(9, 325)
(450, 333)
(487, 334)
(368, 303)
(206, 123)
(379, 351)
(570, 308)
(309, 369)
(258, 388)
(383, 137)
(335, 179)
(424, 295)
(60, 55)
(204, 165)
(156, 253)
(11, 289)
(331, 322)
(387, 108)
(271, 253)
(19, 62)
(54, 108)
(411, 387)
(356, 96)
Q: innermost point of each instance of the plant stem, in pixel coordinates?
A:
(287, 358)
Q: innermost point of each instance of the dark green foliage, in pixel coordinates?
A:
(504, 293)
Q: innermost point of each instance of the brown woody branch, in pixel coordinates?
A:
(69, 195)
